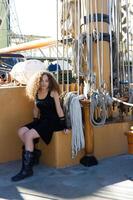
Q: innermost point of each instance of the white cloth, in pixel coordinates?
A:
(22, 71)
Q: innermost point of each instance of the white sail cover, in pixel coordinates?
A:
(22, 71)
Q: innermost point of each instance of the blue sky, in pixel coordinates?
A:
(37, 17)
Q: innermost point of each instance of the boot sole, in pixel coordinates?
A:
(21, 178)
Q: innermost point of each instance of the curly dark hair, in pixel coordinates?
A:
(34, 84)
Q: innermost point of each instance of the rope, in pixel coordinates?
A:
(63, 8)
(120, 101)
(89, 38)
(110, 31)
(78, 142)
(67, 46)
(129, 81)
(73, 120)
(78, 42)
(102, 56)
(118, 43)
(98, 53)
(5, 16)
(99, 100)
(57, 47)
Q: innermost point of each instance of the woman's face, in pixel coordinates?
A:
(44, 83)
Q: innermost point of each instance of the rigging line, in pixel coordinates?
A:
(84, 10)
(75, 17)
(97, 97)
(75, 37)
(98, 53)
(14, 12)
(129, 80)
(102, 56)
(91, 45)
(122, 46)
(131, 40)
(88, 40)
(123, 62)
(118, 42)
(78, 43)
(120, 101)
(14, 7)
(41, 51)
(5, 15)
(121, 56)
(4, 5)
(1, 7)
(132, 55)
(63, 10)
(110, 32)
(67, 35)
(131, 17)
(113, 15)
(57, 46)
(125, 51)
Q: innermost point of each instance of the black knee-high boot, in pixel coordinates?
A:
(36, 152)
(26, 170)
(36, 155)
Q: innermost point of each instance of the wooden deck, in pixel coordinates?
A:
(109, 180)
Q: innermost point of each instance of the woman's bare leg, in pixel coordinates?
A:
(21, 133)
(29, 136)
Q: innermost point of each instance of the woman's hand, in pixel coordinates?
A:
(66, 131)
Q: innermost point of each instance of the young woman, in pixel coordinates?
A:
(48, 117)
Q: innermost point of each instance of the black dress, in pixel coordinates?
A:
(49, 120)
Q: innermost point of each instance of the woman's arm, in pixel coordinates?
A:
(35, 111)
(59, 110)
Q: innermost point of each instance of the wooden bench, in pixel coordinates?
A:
(58, 153)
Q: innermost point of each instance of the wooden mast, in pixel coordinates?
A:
(89, 133)
(29, 45)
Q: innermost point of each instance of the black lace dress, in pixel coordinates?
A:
(49, 120)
